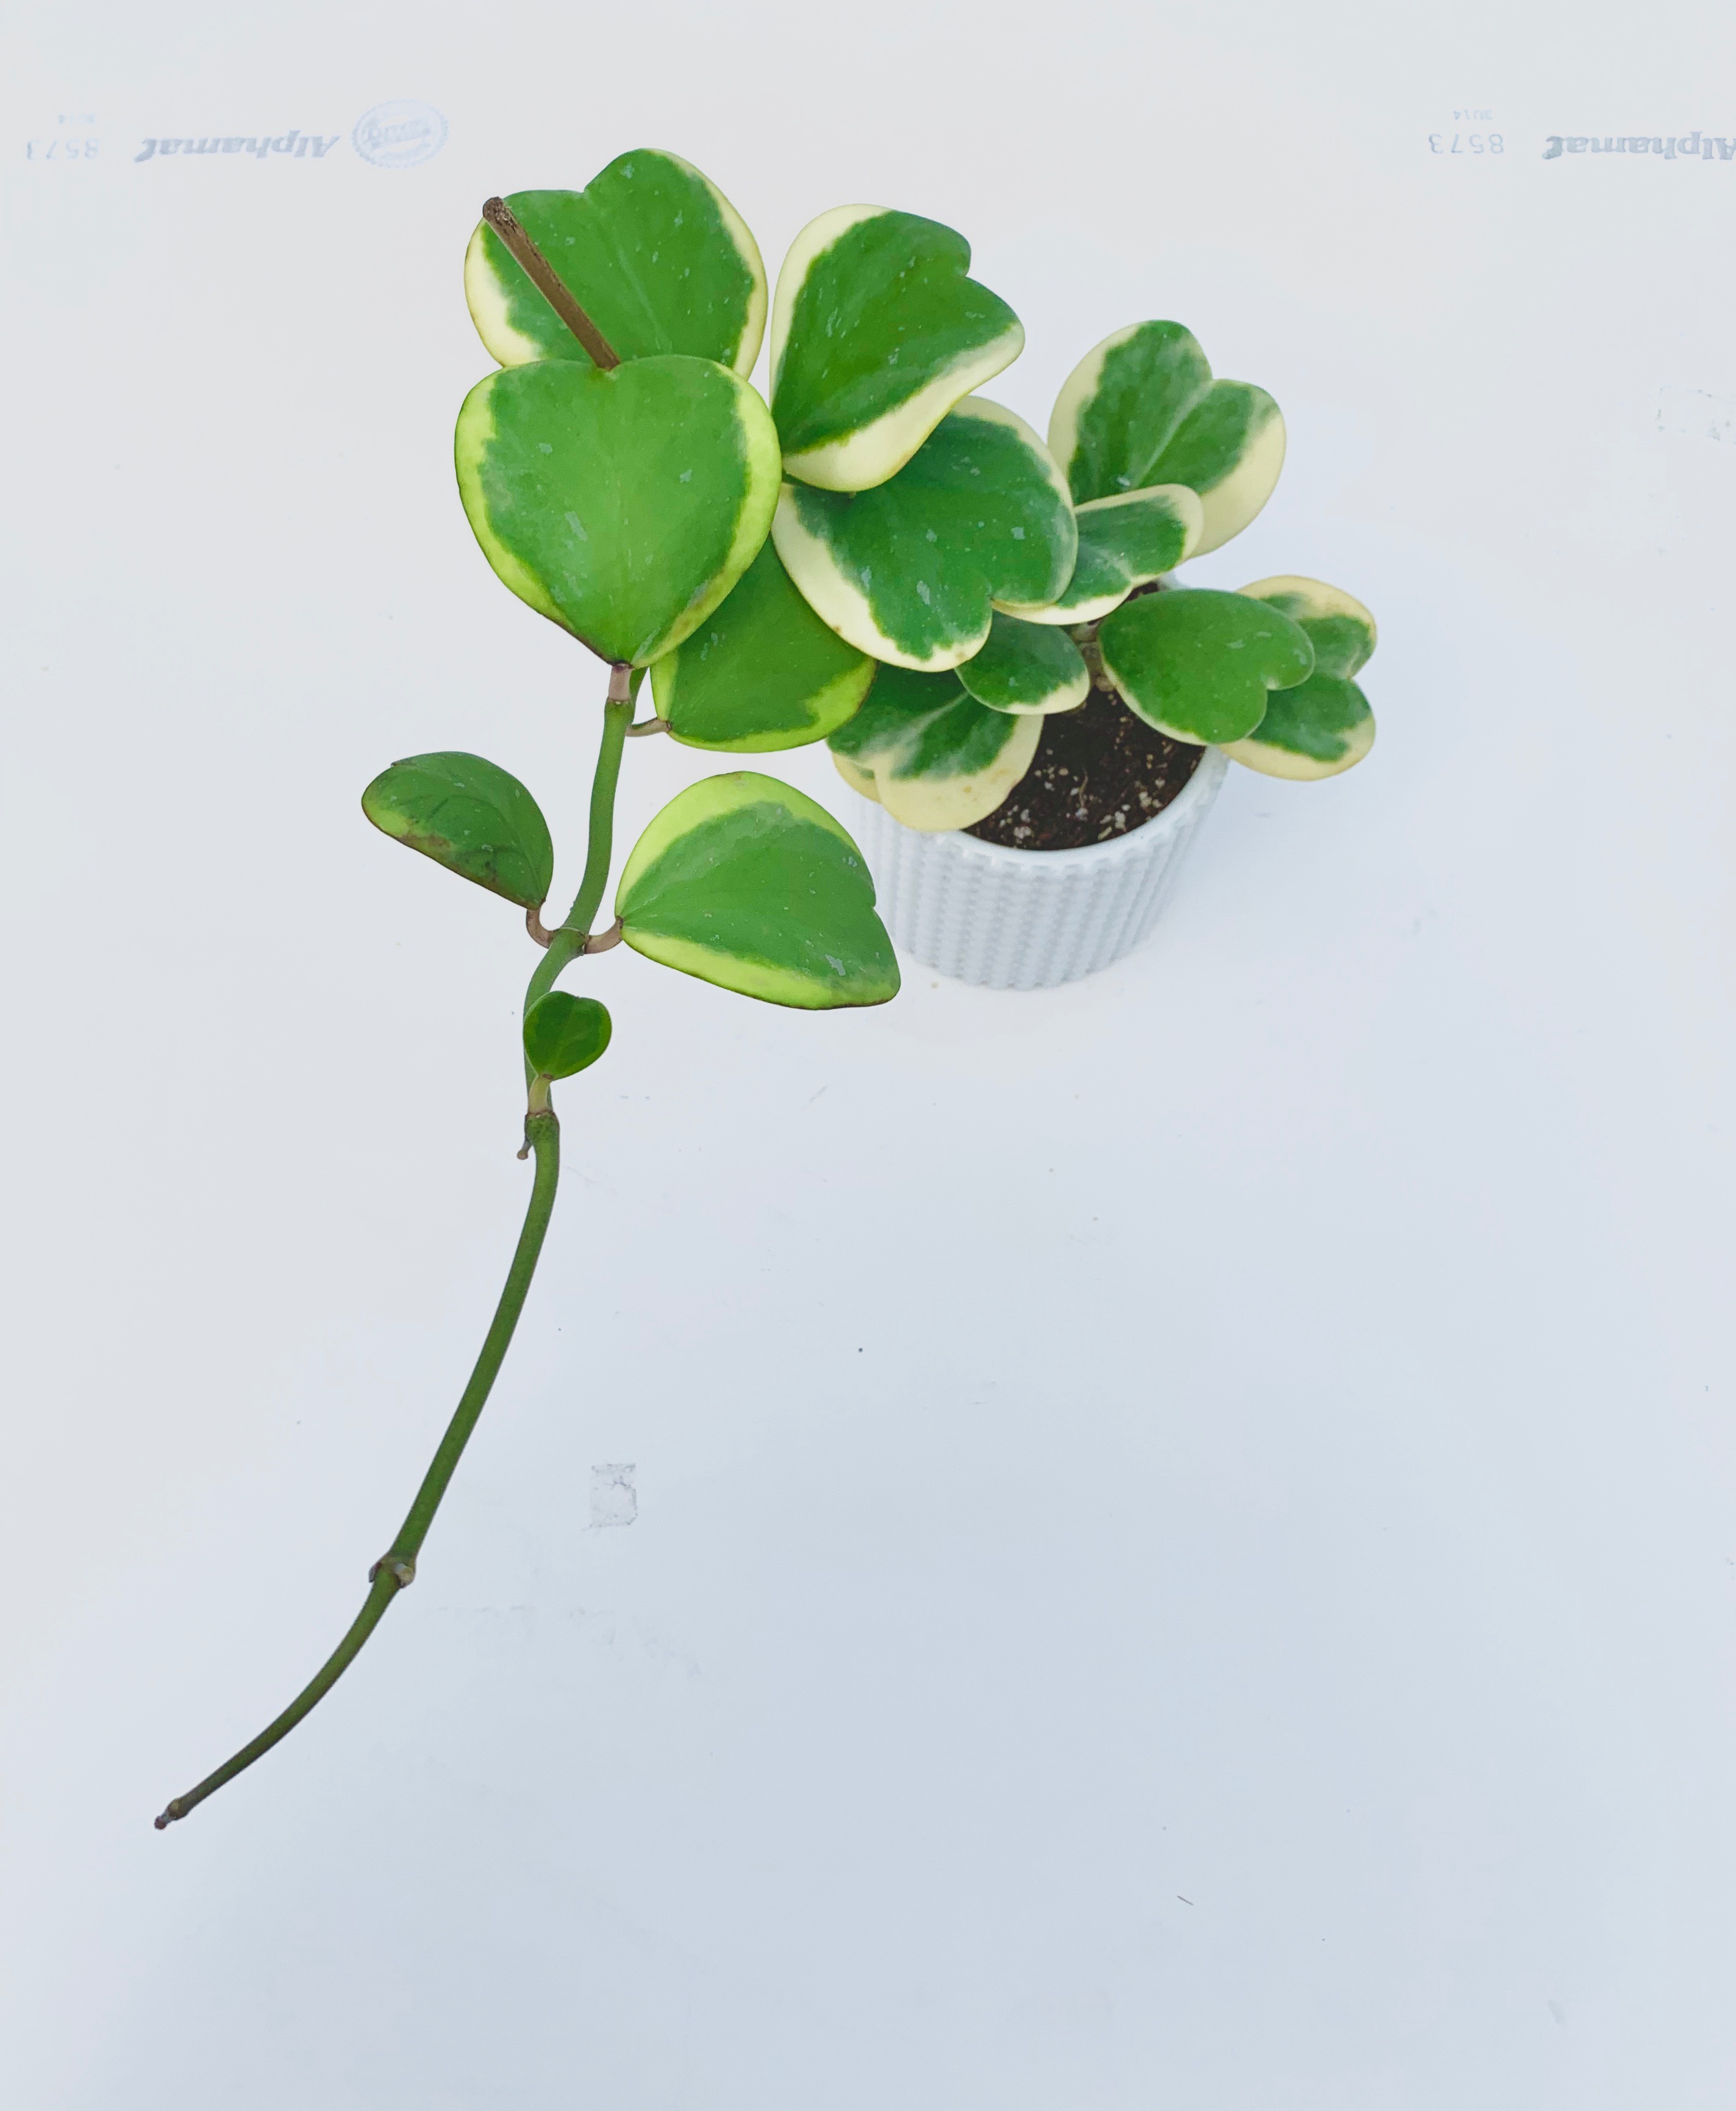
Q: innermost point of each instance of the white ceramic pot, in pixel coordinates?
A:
(1026, 920)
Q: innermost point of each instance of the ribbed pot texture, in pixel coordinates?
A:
(1027, 920)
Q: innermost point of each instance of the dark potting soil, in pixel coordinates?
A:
(1099, 772)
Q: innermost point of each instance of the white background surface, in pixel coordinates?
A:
(1184, 1552)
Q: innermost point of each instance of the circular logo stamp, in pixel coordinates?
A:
(398, 135)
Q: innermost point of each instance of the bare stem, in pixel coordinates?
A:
(395, 1570)
(536, 267)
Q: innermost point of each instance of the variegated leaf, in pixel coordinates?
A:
(876, 333)
(1027, 667)
(931, 754)
(624, 505)
(909, 571)
(1124, 542)
(1341, 630)
(744, 883)
(1324, 725)
(1229, 450)
(1122, 405)
(761, 672)
(1141, 408)
(1320, 728)
(652, 250)
(1201, 665)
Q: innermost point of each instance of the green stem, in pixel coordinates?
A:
(396, 1569)
(568, 941)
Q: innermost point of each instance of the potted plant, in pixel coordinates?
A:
(880, 558)
(1039, 766)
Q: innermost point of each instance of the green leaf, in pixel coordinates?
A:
(1200, 666)
(876, 333)
(1229, 450)
(932, 754)
(1142, 409)
(1124, 542)
(1339, 627)
(623, 505)
(1027, 667)
(472, 817)
(763, 671)
(1323, 725)
(652, 251)
(1122, 405)
(564, 1034)
(909, 571)
(744, 883)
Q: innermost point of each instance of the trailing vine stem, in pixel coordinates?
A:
(568, 941)
(395, 1570)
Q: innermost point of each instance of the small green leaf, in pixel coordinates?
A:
(746, 884)
(652, 251)
(1324, 725)
(1122, 405)
(761, 672)
(1200, 666)
(1229, 450)
(1339, 627)
(1027, 667)
(1142, 409)
(931, 754)
(876, 333)
(564, 1034)
(623, 505)
(1125, 543)
(472, 817)
(910, 571)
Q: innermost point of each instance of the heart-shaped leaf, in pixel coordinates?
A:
(1201, 665)
(623, 505)
(763, 671)
(564, 1034)
(1324, 725)
(744, 883)
(1125, 543)
(469, 815)
(876, 333)
(1027, 667)
(910, 571)
(932, 754)
(1142, 409)
(1122, 405)
(653, 252)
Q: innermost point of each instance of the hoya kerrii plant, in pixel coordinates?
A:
(880, 558)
